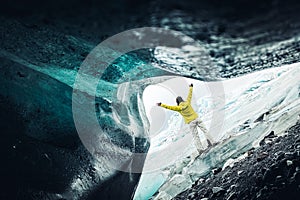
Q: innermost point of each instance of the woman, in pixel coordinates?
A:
(190, 117)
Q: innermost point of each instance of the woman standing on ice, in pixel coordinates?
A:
(190, 117)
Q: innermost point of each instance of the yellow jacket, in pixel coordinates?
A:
(184, 108)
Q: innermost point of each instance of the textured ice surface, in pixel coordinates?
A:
(255, 105)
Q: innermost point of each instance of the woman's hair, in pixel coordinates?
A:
(178, 100)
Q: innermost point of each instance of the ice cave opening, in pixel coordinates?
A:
(238, 112)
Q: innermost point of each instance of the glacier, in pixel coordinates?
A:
(228, 107)
(248, 108)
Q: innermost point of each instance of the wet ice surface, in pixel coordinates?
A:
(255, 105)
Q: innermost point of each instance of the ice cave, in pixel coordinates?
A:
(79, 122)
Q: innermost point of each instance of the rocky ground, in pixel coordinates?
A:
(271, 171)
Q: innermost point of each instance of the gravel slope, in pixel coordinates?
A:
(272, 171)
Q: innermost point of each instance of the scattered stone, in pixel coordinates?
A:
(288, 155)
(262, 156)
(278, 140)
(201, 180)
(263, 117)
(297, 141)
(296, 176)
(192, 195)
(232, 187)
(279, 155)
(261, 191)
(250, 153)
(289, 162)
(224, 176)
(216, 170)
(216, 190)
(231, 196)
(267, 139)
(279, 178)
(239, 172)
(271, 135)
(268, 175)
(263, 170)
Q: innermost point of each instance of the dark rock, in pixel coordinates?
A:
(277, 141)
(261, 117)
(267, 138)
(231, 196)
(269, 175)
(250, 153)
(259, 180)
(216, 170)
(279, 178)
(271, 135)
(296, 176)
(262, 156)
(232, 187)
(263, 170)
(297, 141)
(289, 162)
(192, 195)
(261, 192)
(217, 190)
(288, 155)
(280, 155)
